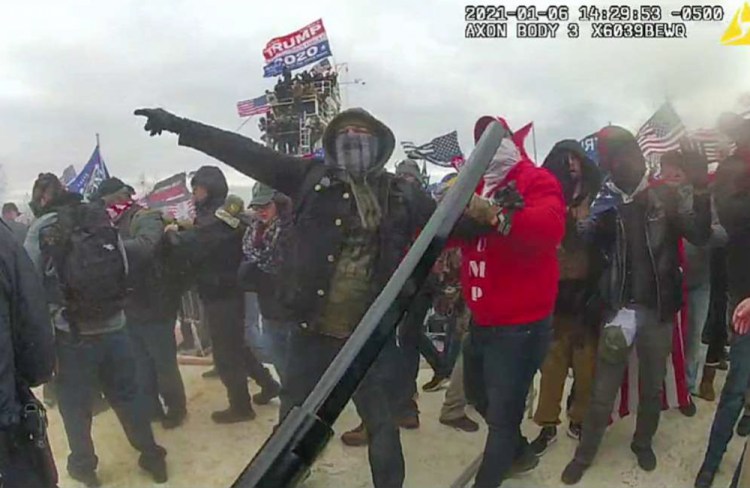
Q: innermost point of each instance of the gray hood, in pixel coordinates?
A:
(383, 133)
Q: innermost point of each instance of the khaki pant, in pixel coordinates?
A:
(572, 346)
(454, 406)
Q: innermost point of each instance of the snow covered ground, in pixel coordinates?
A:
(202, 454)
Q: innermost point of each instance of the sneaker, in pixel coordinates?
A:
(574, 431)
(156, 467)
(573, 473)
(356, 437)
(646, 457)
(210, 374)
(435, 384)
(743, 426)
(173, 419)
(233, 416)
(88, 478)
(546, 438)
(523, 463)
(462, 423)
(705, 478)
(267, 394)
(689, 410)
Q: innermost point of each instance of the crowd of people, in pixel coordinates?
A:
(567, 265)
(295, 102)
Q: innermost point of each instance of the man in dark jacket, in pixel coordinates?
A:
(149, 310)
(91, 353)
(639, 227)
(214, 247)
(576, 321)
(353, 224)
(732, 196)
(27, 359)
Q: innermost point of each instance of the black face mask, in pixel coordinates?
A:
(627, 176)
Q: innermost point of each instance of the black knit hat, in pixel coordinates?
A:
(110, 186)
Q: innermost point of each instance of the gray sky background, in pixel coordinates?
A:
(71, 69)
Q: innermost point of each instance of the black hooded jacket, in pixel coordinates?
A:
(325, 208)
(641, 239)
(212, 248)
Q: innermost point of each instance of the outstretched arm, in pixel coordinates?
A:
(279, 171)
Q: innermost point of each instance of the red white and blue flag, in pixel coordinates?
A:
(248, 108)
(296, 50)
(91, 176)
(660, 134)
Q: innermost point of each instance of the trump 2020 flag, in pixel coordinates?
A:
(91, 176)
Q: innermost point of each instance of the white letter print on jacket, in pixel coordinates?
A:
(478, 269)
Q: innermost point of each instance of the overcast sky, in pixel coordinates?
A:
(74, 68)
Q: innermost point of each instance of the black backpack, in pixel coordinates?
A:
(90, 265)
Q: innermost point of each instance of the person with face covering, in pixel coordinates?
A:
(577, 312)
(638, 226)
(353, 222)
(509, 276)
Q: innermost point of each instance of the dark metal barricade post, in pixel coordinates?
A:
(286, 457)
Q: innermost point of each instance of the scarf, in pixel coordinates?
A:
(260, 245)
(368, 207)
(505, 158)
(117, 210)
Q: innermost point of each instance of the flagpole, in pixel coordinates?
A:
(243, 124)
(97, 139)
(533, 140)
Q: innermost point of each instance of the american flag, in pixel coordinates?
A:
(712, 143)
(443, 150)
(248, 108)
(660, 134)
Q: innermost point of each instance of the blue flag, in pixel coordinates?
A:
(589, 145)
(91, 176)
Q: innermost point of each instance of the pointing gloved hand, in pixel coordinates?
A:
(159, 120)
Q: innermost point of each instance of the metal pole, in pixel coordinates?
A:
(288, 454)
(533, 139)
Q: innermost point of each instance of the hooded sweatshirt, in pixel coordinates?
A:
(512, 280)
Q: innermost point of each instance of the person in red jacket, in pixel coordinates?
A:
(509, 278)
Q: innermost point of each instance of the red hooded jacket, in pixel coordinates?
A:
(511, 280)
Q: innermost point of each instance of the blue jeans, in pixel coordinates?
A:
(499, 366)
(731, 402)
(85, 364)
(254, 336)
(276, 334)
(155, 349)
(309, 357)
(695, 353)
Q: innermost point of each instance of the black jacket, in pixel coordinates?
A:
(27, 356)
(732, 197)
(147, 302)
(668, 218)
(212, 248)
(324, 210)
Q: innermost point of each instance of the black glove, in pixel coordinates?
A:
(696, 164)
(159, 120)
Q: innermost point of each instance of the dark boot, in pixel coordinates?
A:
(267, 393)
(356, 437)
(646, 457)
(743, 426)
(88, 478)
(706, 389)
(156, 467)
(546, 438)
(462, 423)
(705, 478)
(233, 415)
(689, 410)
(573, 473)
